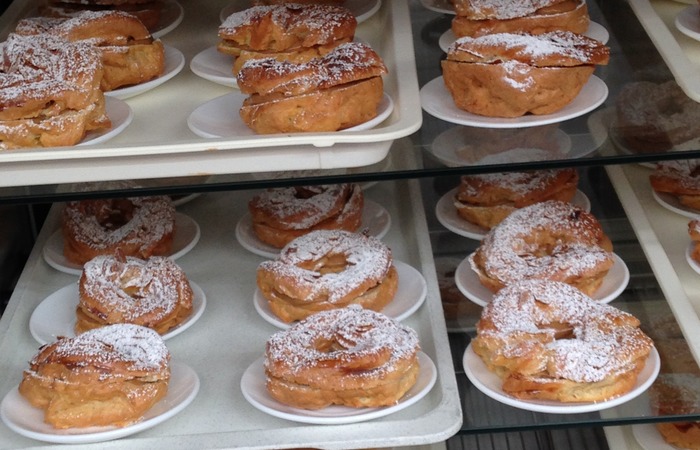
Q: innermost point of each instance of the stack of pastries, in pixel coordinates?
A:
(547, 340)
(129, 53)
(512, 74)
(109, 376)
(479, 17)
(286, 31)
(339, 90)
(49, 92)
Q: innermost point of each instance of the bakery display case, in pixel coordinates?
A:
(182, 137)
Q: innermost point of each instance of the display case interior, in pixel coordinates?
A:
(409, 164)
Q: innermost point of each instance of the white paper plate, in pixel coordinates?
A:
(490, 384)
(614, 283)
(215, 66)
(170, 17)
(437, 101)
(375, 219)
(55, 315)
(595, 31)
(410, 295)
(24, 419)
(691, 262)
(447, 215)
(361, 9)
(254, 390)
(186, 237)
(219, 118)
(688, 22)
(174, 62)
(447, 145)
(671, 203)
(121, 116)
(649, 438)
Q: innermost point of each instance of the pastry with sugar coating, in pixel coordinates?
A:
(337, 91)
(129, 54)
(106, 376)
(350, 356)
(513, 74)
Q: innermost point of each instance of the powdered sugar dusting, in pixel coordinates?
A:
(367, 258)
(357, 332)
(511, 250)
(323, 21)
(134, 288)
(604, 339)
(154, 218)
(139, 347)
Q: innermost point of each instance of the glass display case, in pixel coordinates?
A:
(408, 165)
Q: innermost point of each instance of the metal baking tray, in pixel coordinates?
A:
(230, 335)
(158, 143)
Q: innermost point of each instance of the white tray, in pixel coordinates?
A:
(680, 53)
(231, 335)
(663, 236)
(158, 142)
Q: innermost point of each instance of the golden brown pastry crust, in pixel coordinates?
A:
(280, 215)
(286, 28)
(512, 74)
(680, 179)
(551, 240)
(49, 92)
(342, 89)
(485, 200)
(149, 12)
(136, 226)
(569, 15)
(328, 269)
(350, 356)
(107, 376)
(154, 293)
(129, 53)
(546, 340)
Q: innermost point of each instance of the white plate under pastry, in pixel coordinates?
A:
(688, 22)
(447, 215)
(448, 145)
(410, 295)
(375, 219)
(55, 315)
(255, 392)
(174, 62)
(21, 417)
(437, 101)
(119, 113)
(671, 203)
(361, 9)
(491, 384)
(186, 237)
(649, 438)
(219, 118)
(170, 17)
(214, 66)
(614, 283)
(595, 31)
